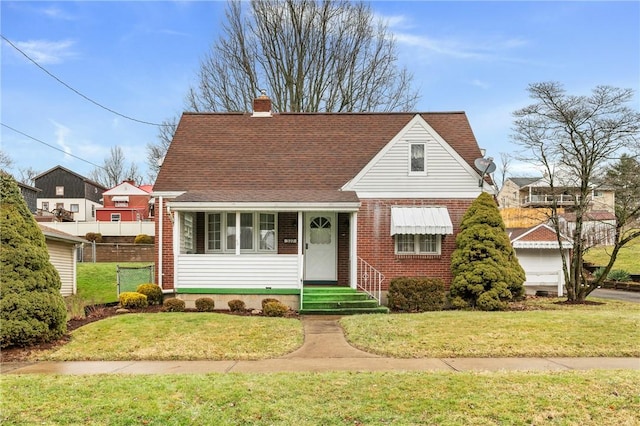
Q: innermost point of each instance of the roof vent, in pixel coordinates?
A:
(262, 105)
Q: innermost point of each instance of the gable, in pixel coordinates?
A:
(125, 188)
(447, 174)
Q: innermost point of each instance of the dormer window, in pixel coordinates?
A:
(417, 159)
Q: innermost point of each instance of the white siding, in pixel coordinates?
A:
(62, 257)
(542, 266)
(446, 172)
(241, 272)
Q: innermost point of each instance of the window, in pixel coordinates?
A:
(60, 191)
(75, 208)
(121, 203)
(257, 232)
(59, 206)
(115, 217)
(417, 158)
(45, 206)
(417, 244)
(93, 210)
(320, 230)
(186, 234)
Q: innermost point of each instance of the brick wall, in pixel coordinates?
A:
(167, 248)
(119, 252)
(376, 245)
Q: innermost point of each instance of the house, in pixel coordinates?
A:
(268, 204)
(67, 196)
(30, 195)
(537, 251)
(535, 192)
(62, 249)
(126, 202)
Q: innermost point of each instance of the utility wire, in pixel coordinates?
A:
(74, 90)
(52, 146)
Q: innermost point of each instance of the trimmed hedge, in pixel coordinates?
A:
(268, 300)
(153, 293)
(205, 304)
(416, 294)
(275, 309)
(132, 300)
(143, 239)
(174, 305)
(236, 305)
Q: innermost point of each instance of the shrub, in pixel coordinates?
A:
(267, 300)
(133, 300)
(93, 237)
(31, 307)
(275, 309)
(407, 294)
(205, 304)
(236, 305)
(174, 305)
(619, 275)
(486, 272)
(143, 239)
(153, 293)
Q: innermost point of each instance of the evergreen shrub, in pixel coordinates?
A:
(32, 310)
(174, 305)
(267, 300)
(275, 309)
(416, 294)
(236, 305)
(93, 237)
(133, 300)
(153, 293)
(143, 239)
(205, 304)
(486, 272)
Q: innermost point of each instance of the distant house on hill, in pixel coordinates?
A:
(67, 196)
(126, 202)
(30, 195)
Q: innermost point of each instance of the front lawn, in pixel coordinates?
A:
(181, 336)
(627, 259)
(609, 329)
(514, 398)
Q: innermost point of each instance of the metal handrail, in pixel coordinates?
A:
(370, 280)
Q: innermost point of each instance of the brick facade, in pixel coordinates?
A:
(167, 245)
(377, 247)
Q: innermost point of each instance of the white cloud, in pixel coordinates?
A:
(479, 83)
(62, 133)
(57, 13)
(47, 52)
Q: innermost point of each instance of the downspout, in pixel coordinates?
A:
(300, 257)
(353, 248)
(160, 230)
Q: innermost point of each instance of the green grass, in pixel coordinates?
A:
(181, 336)
(97, 282)
(626, 260)
(611, 329)
(558, 398)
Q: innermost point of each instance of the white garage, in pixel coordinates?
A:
(538, 254)
(62, 249)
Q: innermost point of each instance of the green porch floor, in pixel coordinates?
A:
(332, 300)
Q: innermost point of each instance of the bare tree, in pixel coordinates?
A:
(503, 169)
(27, 176)
(6, 162)
(115, 170)
(573, 138)
(309, 55)
(157, 151)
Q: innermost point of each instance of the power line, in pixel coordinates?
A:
(52, 146)
(76, 91)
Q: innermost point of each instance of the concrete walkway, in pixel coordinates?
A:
(325, 349)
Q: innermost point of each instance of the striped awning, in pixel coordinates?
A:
(420, 220)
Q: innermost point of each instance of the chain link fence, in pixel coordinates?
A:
(130, 277)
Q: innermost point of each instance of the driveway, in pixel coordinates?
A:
(603, 293)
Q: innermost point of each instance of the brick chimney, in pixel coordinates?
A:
(262, 105)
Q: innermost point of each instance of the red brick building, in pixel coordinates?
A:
(266, 204)
(126, 202)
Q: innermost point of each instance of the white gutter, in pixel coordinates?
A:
(160, 213)
(276, 206)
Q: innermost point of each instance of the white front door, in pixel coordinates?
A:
(320, 254)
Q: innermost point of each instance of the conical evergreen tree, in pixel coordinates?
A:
(31, 307)
(486, 272)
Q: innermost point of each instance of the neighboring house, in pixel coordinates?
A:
(126, 202)
(67, 196)
(536, 193)
(265, 204)
(30, 195)
(598, 227)
(62, 249)
(537, 251)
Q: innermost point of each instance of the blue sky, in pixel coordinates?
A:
(139, 59)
